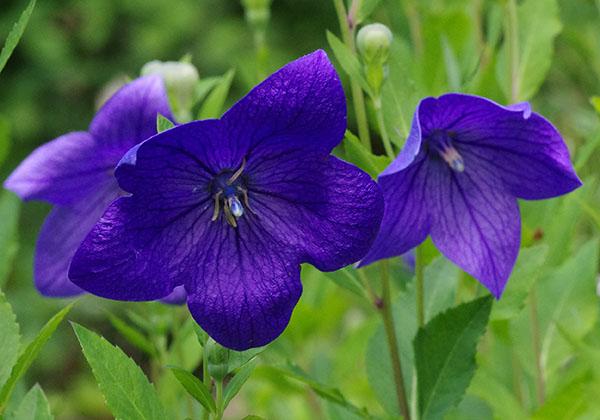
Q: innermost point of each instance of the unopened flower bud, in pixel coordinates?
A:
(218, 360)
(374, 42)
(180, 80)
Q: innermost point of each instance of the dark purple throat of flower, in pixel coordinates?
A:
(227, 188)
(442, 142)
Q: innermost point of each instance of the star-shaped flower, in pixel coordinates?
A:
(465, 163)
(75, 173)
(230, 208)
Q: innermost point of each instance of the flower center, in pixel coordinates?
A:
(441, 142)
(227, 189)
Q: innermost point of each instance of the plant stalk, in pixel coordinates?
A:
(387, 145)
(420, 286)
(512, 33)
(540, 386)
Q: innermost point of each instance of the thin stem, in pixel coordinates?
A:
(512, 33)
(205, 375)
(358, 98)
(390, 331)
(419, 285)
(387, 145)
(370, 293)
(219, 400)
(414, 24)
(540, 386)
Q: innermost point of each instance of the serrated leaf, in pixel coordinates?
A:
(15, 35)
(163, 123)
(9, 339)
(195, 387)
(126, 389)
(538, 25)
(34, 406)
(29, 355)
(10, 207)
(527, 270)
(213, 105)
(348, 61)
(132, 335)
(445, 355)
(357, 154)
(236, 383)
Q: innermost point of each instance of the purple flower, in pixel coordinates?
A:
(75, 173)
(230, 208)
(465, 163)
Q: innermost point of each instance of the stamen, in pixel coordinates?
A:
(442, 142)
(454, 159)
(215, 215)
(237, 173)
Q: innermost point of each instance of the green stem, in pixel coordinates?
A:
(385, 308)
(358, 97)
(540, 386)
(419, 285)
(205, 375)
(219, 400)
(414, 24)
(387, 145)
(512, 33)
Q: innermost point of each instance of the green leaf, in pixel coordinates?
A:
(132, 335)
(358, 154)
(128, 392)
(236, 383)
(526, 272)
(163, 123)
(10, 207)
(348, 61)
(445, 355)
(204, 87)
(195, 387)
(15, 35)
(29, 355)
(34, 406)
(326, 392)
(366, 8)
(213, 105)
(237, 359)
(9, 339)
(4, 138)
(347, 279)
(538, 25)
(452, 66)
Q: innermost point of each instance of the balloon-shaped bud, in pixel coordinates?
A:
(374, 42)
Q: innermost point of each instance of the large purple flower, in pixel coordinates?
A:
(75, 173)
(230, 208)
(465, 163)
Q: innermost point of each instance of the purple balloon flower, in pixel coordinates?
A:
(75, 173)
(465, 163)
(230, 208)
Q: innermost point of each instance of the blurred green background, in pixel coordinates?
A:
(73, 48)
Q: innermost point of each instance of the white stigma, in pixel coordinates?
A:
(454, 159)
(236, 207)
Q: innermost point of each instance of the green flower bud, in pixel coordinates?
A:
(218, 360)
(180, 79)
(374, 42)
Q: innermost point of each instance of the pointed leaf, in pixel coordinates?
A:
(133, 336)
(348, 61)
(445, 355)
(9, 339)
(357, 154)
(236, 383)
(29, 355)
(195, 387)
(126, 389)
(213, 105)
(34, 406)
(15, 34)
(163, 123)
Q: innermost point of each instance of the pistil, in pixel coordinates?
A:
(441, 142)
(228, 188)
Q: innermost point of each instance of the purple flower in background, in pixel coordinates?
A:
(465, 163)
(75, 173)
(230, 208)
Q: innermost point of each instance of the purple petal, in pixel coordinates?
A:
(246, 286)
(177, 297)
(133, 252)
(129, 116)
(62, 171)
(406, 219)
(300, 106)
(62, 232)
(474, 223)
(527, 151)
(325, 208)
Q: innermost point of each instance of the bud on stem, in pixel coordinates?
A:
(374, 43)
